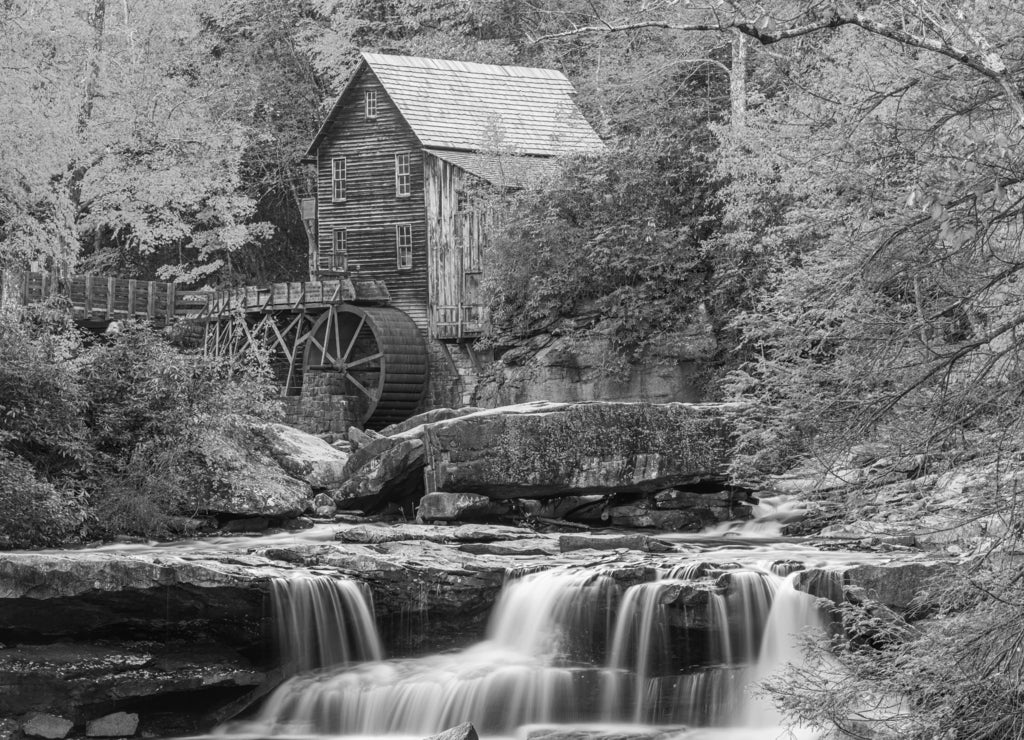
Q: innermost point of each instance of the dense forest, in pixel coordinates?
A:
(838, 183)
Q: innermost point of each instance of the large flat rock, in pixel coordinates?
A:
(541, 450)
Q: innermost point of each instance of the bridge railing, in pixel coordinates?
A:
(105, 299)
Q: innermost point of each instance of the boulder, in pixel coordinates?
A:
(898, 585)
(305, 456)
(450, 507)
(641, 542)
(387, 470)
(49, 726)
(465, 731)
(361, 437)
(245, 480)
(544, 449)
(324, 506)
(118, 724)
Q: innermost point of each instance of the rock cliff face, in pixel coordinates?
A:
(558, 368)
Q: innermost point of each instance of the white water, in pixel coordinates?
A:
(566, 646)
(323, 622)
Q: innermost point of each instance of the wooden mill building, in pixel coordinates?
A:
(397, 159)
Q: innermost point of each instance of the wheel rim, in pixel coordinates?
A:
(379, 355)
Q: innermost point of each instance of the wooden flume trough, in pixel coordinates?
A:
(339, 325)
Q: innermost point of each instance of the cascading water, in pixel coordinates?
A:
(563, 646)
(322, 622)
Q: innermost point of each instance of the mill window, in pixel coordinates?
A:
(370, 104)
(403, 181)
(338, 174)
(403, 246)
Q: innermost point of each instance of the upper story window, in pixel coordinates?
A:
(403, 246)
(338, 173)
(403, 179)
(370, 103)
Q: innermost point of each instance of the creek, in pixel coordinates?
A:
(568, 649)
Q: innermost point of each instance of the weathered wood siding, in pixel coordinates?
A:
(454, 246)
(371, 210)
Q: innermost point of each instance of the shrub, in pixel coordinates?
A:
(36, 514)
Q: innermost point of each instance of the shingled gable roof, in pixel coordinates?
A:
(468, 107)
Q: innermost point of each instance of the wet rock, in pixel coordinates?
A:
(544, 449)
(514, 548)
(585, 509)
(44, 596)
(305, 456)
(642, 515)
(10, 729)
(372, 534)
(465, 731)
(604, 732)
(119, 724)
(49, 726)
(641, 542)
(71, 679)
(245, 524)
(324, 506)
(898, 586)
(440, 506)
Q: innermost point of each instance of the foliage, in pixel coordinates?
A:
(618, 235)
(36, 513)
(956, 674)
(111, 433)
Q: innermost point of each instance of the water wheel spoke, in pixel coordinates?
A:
(360, 386)
(364, 360)
(352, 342)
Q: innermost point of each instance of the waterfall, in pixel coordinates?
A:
(322, 622)
(567, 645)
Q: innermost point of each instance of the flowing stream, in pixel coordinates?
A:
(570, 646)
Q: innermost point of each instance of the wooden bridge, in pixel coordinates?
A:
(339, 326)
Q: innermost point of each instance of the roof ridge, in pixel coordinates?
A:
(455, 65)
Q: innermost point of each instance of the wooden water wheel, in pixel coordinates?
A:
(379, 355)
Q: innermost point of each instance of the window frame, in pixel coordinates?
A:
(336, 252)
(400, 247)
(370, 104)
(339, 184)
(403, 178)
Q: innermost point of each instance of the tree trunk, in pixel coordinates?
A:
(738, 81)
(96, 18)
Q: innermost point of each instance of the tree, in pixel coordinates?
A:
(138, 168)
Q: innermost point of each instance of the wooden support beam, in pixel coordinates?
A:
(110, 298)
(170, 302)
(132, 294)
(88, 296)
(151, 302)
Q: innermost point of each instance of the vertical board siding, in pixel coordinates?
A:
(371, 210)
(453, 243)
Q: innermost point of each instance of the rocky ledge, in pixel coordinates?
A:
(183, 637)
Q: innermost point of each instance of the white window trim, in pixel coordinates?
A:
(335, 180)
(370, 111)
(398, 247)
(399, 173)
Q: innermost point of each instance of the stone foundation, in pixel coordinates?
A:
(323, 407)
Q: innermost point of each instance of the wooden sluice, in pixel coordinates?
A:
(340, 326)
